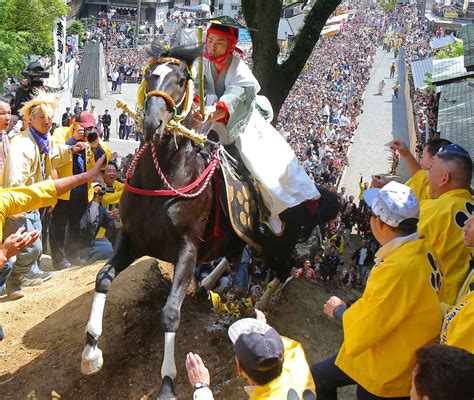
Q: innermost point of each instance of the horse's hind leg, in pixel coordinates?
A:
(123, 256)
(171, 314)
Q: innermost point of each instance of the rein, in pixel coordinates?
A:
(174, 126)
(183, 192)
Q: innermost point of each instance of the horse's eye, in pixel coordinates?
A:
(182, 82)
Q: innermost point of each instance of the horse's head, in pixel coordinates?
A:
(166, 81)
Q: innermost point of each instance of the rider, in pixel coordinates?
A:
(231, 111)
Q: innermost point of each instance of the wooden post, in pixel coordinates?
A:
(201, 75)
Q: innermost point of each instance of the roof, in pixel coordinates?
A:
(419, 69)
(439, 43)
(456, 114)
(331, 30)
(449, 69)
(337, 19)
(296, 23)
(468, 39)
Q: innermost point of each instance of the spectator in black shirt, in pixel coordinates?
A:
(106, 122)
(66, 117)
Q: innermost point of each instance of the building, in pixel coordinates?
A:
(153, 11)
(76, 8)
(226, 7)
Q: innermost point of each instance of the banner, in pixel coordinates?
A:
(59, 41)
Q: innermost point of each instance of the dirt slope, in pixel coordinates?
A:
(40, 357)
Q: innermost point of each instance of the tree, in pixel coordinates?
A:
(76, 27)
(451, 51)
(26, 28)
(429, 82)
(276, 80)
(388, 5)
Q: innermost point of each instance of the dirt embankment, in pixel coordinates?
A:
(40, 356)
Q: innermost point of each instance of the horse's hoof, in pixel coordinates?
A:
(92, 360)
(166, 390)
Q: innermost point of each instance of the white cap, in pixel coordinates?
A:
(394, 204)
(247, 326)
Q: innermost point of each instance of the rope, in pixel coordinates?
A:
(176, 127)
(165, 96)
(183, 192)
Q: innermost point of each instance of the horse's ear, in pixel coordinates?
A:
(187, 53)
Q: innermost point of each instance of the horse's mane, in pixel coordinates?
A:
(187, 52)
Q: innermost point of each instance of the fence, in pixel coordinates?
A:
(409, 94)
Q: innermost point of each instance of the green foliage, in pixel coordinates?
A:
(388, 5)
(429, 82)
(26, 28)
(76, 27)
(451, 51)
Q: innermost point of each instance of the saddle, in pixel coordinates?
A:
(241, 197)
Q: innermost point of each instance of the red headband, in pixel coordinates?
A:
(231, 43)
(227, 35)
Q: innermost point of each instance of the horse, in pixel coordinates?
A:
(174, 225)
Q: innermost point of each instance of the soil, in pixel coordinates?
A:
(40, 355)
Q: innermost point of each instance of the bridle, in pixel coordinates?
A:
(186, 100)
(174, 125)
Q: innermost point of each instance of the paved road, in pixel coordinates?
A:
(368, 156)
(129, 93)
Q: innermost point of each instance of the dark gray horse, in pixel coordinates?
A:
(174, 228)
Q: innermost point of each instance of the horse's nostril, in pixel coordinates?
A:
(161, 123)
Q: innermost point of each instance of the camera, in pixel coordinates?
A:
(103, 189)
(35, 75)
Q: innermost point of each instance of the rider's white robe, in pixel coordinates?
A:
(282, 180)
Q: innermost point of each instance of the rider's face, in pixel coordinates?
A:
(216, 45)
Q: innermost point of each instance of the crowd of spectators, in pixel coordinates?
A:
(416, 38)
(319, 123)
(406, 293)
(442, 9)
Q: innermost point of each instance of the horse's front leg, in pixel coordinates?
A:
(171, 314)
(92, 360)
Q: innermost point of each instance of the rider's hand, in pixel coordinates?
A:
(197, 371)
(399, 146)
(196, 119)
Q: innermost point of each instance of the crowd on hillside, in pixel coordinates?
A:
(128, 63)
(319, 123)
(412, 266)
(416, 41)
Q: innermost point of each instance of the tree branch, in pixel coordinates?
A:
(308, 37)
(248, 8)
